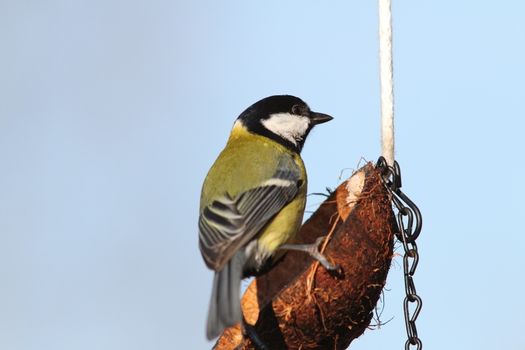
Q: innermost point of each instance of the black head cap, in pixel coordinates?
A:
(284, 118)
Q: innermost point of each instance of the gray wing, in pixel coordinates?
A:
(229, 223)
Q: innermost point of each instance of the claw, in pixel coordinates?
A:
(251, 333)
(319, 240)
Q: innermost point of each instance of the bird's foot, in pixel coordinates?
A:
(312, 249)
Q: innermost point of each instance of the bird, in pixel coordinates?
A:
(253, 200)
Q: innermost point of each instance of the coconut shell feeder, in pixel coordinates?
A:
(300, 305)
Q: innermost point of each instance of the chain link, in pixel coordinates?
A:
(409, 222)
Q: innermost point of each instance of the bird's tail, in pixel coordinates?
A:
(225, 303)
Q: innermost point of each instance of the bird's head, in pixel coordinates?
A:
(283, 118)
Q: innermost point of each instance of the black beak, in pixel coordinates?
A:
(319, 118)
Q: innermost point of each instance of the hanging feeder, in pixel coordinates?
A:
(300, 305)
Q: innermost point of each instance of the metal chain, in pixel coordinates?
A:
(409, 223)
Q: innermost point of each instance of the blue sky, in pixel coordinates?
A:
(111, 112)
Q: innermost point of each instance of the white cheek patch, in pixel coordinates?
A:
(291, 127)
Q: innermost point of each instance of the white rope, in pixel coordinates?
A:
(386, 78)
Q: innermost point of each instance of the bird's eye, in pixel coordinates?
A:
(297, 109)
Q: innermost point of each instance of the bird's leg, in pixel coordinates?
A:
(313, 250)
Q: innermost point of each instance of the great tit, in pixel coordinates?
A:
(253, 199)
